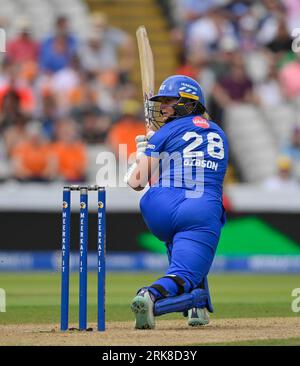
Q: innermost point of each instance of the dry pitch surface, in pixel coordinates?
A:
(167, 332)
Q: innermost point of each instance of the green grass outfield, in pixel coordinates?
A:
(35, 297)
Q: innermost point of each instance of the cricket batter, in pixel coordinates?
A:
(184, 161)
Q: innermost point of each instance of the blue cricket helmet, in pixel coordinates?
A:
(180, 86)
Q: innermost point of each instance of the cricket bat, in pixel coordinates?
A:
(147, 73)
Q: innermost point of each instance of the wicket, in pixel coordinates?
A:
(83, 255)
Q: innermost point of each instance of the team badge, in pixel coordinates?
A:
(200, 122)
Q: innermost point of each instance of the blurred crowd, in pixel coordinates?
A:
(241, 52)
(60, 95)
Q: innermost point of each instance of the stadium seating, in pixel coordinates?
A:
(280, 119)
(251, 142)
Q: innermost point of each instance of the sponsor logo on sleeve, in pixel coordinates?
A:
(151, 146)
(200, 122)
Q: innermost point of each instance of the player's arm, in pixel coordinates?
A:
(144, 168)
(141, 172)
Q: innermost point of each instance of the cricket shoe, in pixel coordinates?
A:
(142, 307)
(198, 317)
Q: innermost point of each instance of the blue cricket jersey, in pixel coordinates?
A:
(193, 155)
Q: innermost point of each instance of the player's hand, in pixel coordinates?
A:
(142, 142)
(150, 133)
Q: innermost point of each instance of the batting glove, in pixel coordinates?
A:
(142, 142)
(141, 145)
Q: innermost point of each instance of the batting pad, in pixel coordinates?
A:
(196, 298)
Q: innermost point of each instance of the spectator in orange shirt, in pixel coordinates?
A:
(127, 128)
(70, 151)
(32, 159)
(12, 82)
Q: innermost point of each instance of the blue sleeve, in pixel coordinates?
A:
(156, 143)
